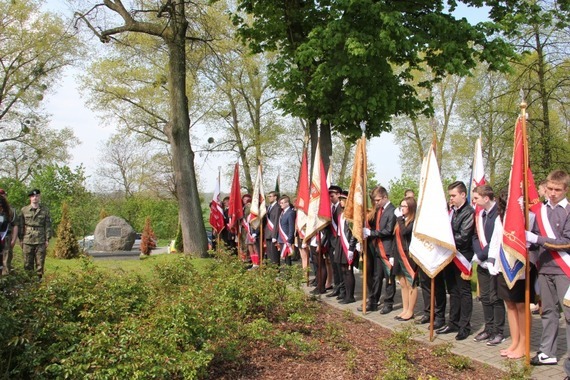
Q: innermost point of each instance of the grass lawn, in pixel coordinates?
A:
(143, 267)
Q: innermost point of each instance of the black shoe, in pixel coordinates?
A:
(447, 329)
(313, 283)
(482, 336)
(463, 334)
(369, 307)
(398, 318)
(316, 291)
(438, 324)
(386, 309)
(347, 301)
(423, 320)
(334, 293)
(341, 296)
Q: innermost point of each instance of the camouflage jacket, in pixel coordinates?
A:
(35, 225)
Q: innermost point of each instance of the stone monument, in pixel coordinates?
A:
(114, 234)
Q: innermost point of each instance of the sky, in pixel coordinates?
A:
(68, 109)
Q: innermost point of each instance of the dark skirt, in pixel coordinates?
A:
(516, 294)
(398, 268)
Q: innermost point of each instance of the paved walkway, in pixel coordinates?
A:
(469, 348)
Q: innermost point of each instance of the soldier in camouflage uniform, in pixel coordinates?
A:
(35, 232)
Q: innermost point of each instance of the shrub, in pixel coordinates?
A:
(66, 246)
(148, 238)
(176, 324)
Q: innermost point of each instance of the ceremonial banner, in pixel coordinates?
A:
(355, 209)
(216, 211)
(477, 171)
(319, 211)
(302, 202)
(432, 246)
(258, 208)
(235, 210)
(513, 251)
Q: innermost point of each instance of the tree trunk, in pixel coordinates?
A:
(178, 132)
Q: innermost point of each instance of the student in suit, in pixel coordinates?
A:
(380, 237)
(286, 230)
(493, 306)
(345, 253)
(338, 289)
(270, 227)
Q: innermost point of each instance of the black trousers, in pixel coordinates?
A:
(337, 270)
(460, 298)
(272, 253)
(493, 307)
(440, 297)
(377, 274)
(349, 283)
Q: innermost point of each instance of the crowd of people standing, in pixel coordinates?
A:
(477, 228)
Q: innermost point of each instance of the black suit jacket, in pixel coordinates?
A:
(272, 215)
(385, 230)
(483, 253)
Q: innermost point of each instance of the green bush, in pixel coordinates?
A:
(175, 324)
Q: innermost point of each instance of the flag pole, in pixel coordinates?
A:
(220, 232)
(364, 210)
(261, 238)
(523, 114)
(432, 285)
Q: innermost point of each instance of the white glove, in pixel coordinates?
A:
(391, 260)
(365, 232)
(350, 255)
(398, 212)
(493, 271)
(254, 235)
(274, 240)
(531, 237)
(304, 245)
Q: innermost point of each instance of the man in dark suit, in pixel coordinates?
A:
(286, 231)
(270, 227)
(339, 290)
(379, 261)
(493, 307)
(457, 272)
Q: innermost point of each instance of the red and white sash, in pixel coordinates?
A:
(270, 224)
(343, 238)
(561, 258)
(247, 227)
(285, 247)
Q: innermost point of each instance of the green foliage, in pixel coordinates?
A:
(17, 192)
(59, 184)
(397, 188)
(348, 62)
(517, 370)
(94, 323)
(66, 246)
(399, 348)
(178, 241)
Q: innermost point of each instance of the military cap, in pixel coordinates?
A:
(335, 188)
(34, 192)
(344, 194)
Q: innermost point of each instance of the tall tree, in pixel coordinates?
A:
(539, 29)
(168, 21)
(34, 48)
(351, 61)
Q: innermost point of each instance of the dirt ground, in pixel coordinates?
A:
(343, 346)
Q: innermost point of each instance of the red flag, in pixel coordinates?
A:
(216, 211)
(235, 211)
(302, 203)
(319, 212)
(514, 253)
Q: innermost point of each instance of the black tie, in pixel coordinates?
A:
(484, 217)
